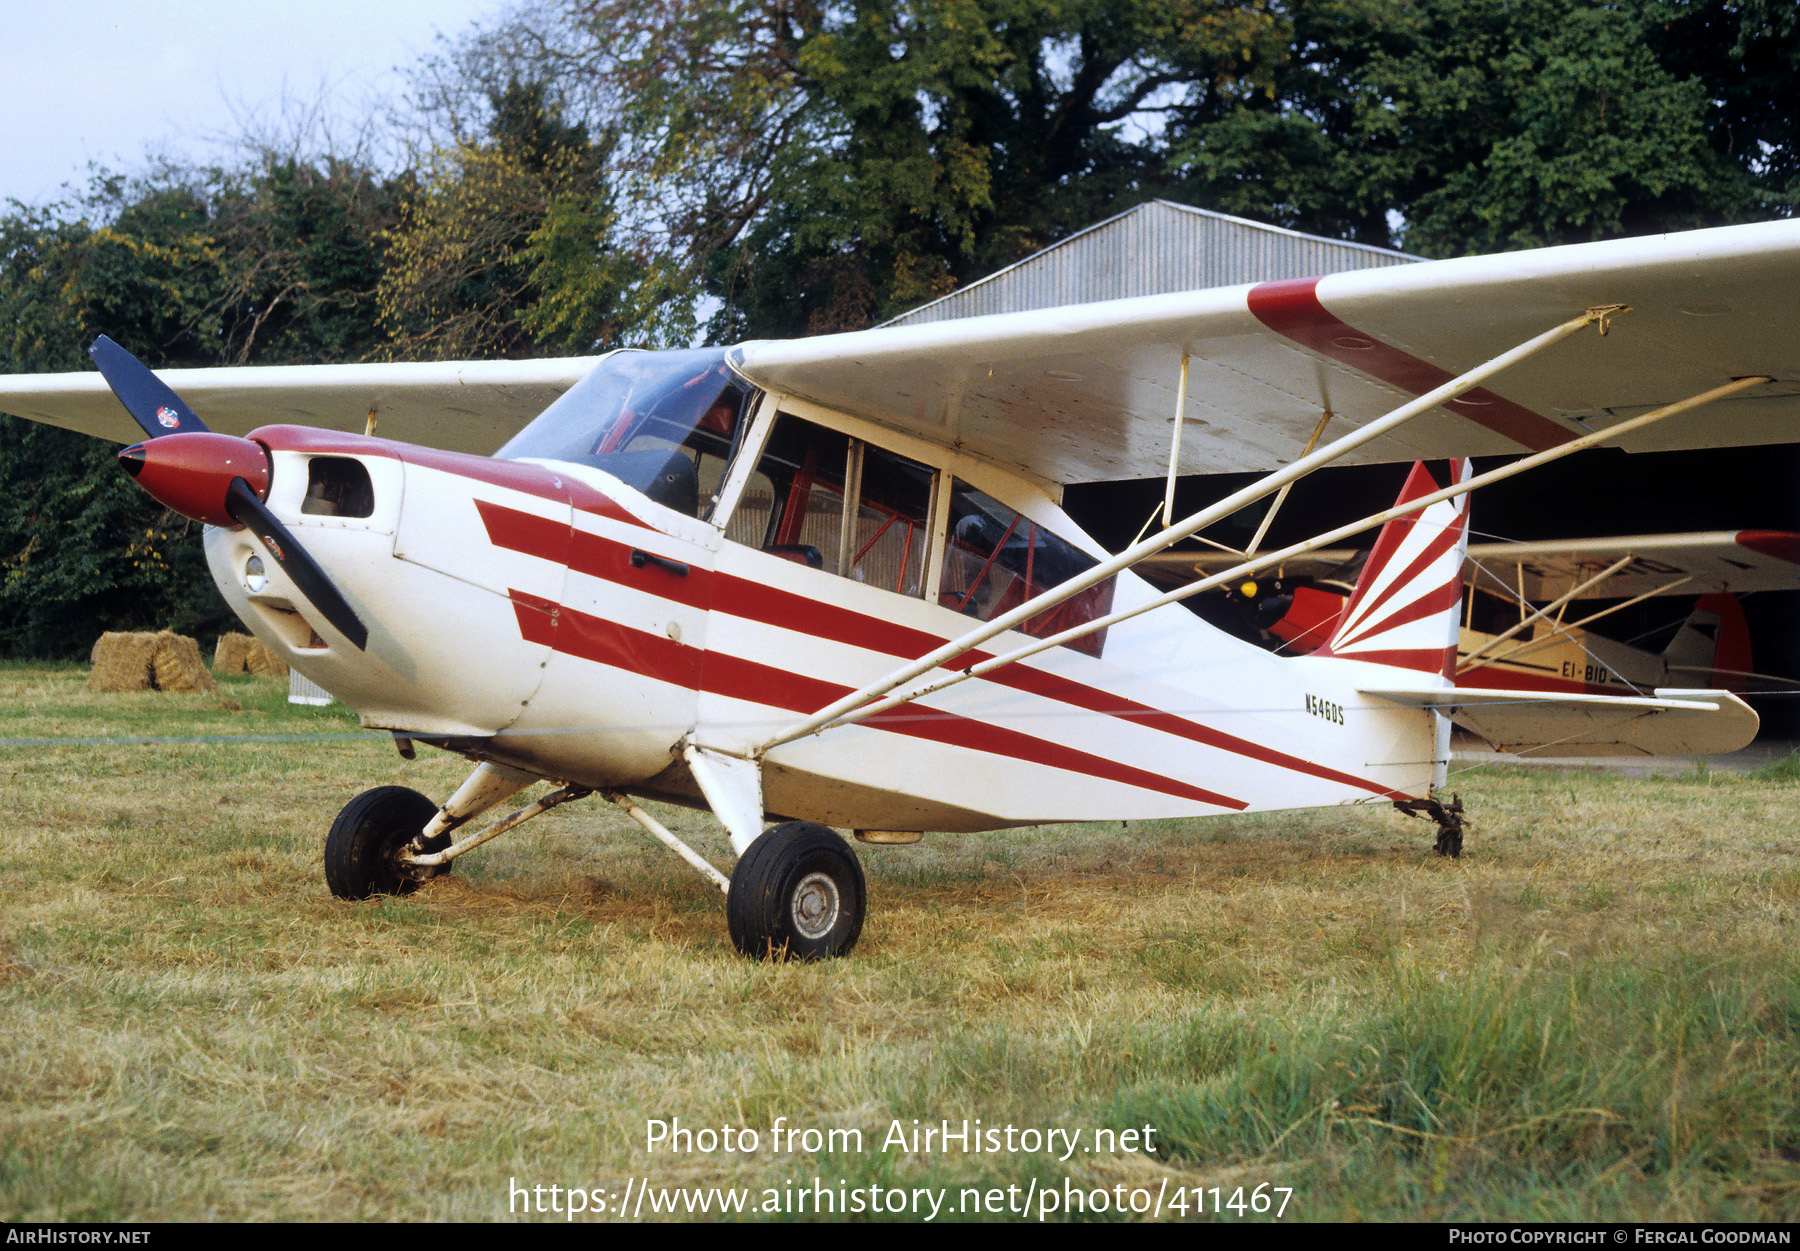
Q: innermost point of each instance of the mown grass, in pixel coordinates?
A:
(1595, 1014)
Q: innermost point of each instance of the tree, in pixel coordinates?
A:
(817, 167)
(505, 246)
(1467, 126)
(1747, 53)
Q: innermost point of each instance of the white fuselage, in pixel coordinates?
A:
(548, 617)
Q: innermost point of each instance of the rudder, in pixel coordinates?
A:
(1407, 603)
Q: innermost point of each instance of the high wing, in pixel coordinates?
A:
(1738, 561)
(1087, 392)
(460, 406)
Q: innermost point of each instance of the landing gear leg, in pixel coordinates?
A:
(1449, 821)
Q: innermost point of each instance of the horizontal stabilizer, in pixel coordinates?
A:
(1672, 723)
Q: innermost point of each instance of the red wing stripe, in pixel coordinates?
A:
(1291, 308)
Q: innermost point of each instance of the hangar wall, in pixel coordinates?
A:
(1152, 249)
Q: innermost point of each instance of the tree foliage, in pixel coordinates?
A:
(1457, 126)
(277, 264)
(814, 167)
(506, 246)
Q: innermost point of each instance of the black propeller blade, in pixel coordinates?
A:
(145, 396)
(161, 412)
(300, 568)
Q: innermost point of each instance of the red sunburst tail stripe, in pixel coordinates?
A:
(1407, 600)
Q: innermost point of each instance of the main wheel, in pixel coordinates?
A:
(797, 894)
(368, 833)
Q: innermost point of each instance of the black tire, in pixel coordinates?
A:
(359, 851)
(797, 894)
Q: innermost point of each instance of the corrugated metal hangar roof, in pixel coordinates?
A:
(1154, 248)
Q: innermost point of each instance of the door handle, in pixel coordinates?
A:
(640, 558)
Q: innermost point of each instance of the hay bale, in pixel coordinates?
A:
(232, 655)
(178, 667)
(242, 654)
(162, 661)
(265, 663)
(123, 661)
(239, 653)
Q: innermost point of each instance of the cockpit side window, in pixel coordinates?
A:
(665, 423)
(995, 559)
(821, 498)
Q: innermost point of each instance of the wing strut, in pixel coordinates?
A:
(1281, 495)
(1544, 612)
(857, 706)
(1267, 485)
(1168, 512)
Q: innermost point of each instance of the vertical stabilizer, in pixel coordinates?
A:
(1712, 647)
(1408, 598)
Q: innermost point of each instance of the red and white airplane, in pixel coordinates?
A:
(828, 582)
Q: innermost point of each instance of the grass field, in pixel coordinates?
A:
(1595, 1014)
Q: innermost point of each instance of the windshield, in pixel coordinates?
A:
(662, 422)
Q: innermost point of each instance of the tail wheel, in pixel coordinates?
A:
(797, 894)
(368, 834)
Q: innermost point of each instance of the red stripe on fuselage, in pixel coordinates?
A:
(607, 642)
(515, 475)
(1291, 308)
(589, 553)
(639, 651)
(767, 605)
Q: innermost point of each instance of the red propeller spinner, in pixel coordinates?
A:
(192, 473)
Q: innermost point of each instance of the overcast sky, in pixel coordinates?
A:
(109, 81)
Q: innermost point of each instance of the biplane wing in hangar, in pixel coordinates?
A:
(1532, 607)
(1705, 562)
(830, 578)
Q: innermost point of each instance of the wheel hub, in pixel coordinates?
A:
(815, 905)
